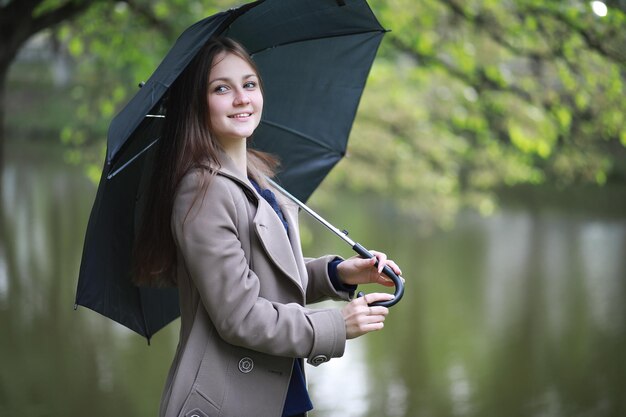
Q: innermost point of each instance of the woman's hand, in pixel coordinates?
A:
(360, 318)
(357, 270)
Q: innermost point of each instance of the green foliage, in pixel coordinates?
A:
(116, 46)
(466, 97)
(473, 96)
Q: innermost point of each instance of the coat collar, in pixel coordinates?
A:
(280, 248)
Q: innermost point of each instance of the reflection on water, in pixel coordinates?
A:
(519, 314)
(349, 377)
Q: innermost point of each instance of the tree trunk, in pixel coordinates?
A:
(5, 63)
(3, 78)
(17, 24)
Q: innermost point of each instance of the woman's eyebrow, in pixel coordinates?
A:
(227, 79)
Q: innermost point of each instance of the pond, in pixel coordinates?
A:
(519, 314)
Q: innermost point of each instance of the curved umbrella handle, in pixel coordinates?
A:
(358, 248)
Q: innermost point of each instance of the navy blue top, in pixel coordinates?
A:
(298, 400)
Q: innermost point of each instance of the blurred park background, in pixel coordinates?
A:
(488, 159)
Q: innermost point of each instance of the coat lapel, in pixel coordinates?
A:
(273, 237)
(269, 228)
(290, 211)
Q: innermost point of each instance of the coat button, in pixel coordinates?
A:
(196, 412)
(245, 365)
(318, 360)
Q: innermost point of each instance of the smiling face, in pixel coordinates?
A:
(234, 98)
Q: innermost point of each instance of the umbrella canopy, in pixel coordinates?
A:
(313, 56)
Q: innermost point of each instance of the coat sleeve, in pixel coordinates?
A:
(211, 250)
(320, 286)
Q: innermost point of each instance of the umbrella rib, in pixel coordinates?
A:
(316, 38)
(114, 173)
(302, 135)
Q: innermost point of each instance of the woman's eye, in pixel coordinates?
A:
(221, 89)
(250, 84)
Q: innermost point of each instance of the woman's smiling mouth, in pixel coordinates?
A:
(240, 115)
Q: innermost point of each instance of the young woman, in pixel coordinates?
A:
(214, 229)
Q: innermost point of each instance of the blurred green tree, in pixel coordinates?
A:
(465, 97)
(112, 43)
(116, 47)
(471, 96)
(19, 20)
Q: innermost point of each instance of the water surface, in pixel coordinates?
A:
(519, 314)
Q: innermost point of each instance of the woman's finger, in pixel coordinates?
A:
(385, 281)
(373, 314)
(363, 263)
(378, 311)
(360, 318)
(375, 297)
(382, 259)
(394, 267)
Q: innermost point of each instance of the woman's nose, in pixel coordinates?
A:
(241, 98)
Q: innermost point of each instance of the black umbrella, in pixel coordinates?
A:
(314, 57)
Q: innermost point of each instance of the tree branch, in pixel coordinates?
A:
(147, 13)
(480, 80)
(17, 23)
(593, 40)
(60, 14)
(14, 20)
(491, 27)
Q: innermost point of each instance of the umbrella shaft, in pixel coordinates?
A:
(312, 213)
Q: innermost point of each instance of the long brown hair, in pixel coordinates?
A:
(186, 143)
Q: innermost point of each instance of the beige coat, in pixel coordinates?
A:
(243, 284)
